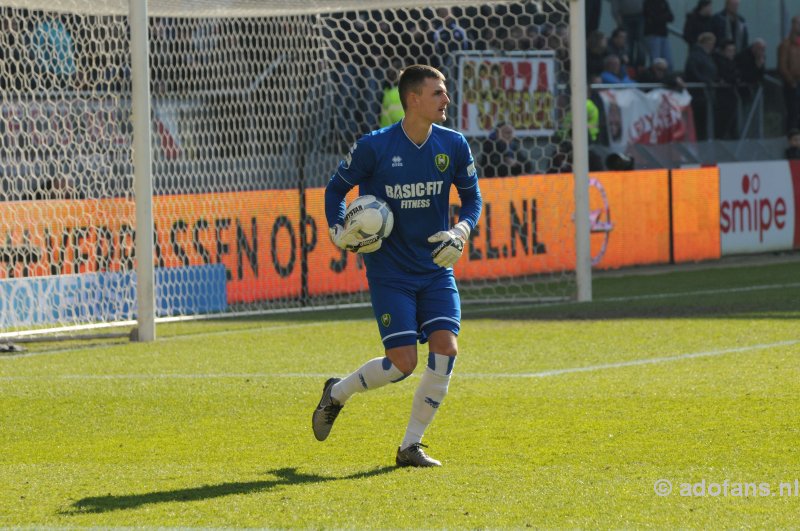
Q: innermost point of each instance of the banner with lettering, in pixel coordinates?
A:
(660, 116)
(516, 90)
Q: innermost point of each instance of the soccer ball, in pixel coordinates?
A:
(373, 214)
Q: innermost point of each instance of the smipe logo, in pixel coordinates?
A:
(752, 213)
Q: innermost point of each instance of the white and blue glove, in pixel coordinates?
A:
(348, 239)
(452, 243)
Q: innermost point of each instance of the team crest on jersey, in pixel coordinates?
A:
(386, 319)
(442, 161)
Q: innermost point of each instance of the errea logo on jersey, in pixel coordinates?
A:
(397, 162)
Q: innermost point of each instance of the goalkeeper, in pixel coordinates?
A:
(410, 165)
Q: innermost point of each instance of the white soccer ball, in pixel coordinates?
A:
(374, 216)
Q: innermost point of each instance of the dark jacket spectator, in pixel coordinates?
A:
(657, 15)
(628, 15)
(725, 101)
(700, 67)
(596, 51)
(618, 45)
(698, 21)
(751, 64)
(593, 10)
(728, 24)
(789, 68)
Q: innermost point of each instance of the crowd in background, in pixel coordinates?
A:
(722, 57)
(364, 51)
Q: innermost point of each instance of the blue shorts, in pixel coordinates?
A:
(409, 310)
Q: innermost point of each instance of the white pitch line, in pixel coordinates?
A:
(541, 374)
(468, 312)
(638, 362)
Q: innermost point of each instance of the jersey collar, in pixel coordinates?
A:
(430, 131)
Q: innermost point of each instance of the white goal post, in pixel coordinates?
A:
(166, 159)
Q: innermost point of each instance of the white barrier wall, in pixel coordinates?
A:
(757, 207)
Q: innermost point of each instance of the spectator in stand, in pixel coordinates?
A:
(793, 151)
(54, 50)
(699, 20)
(618, 45)
(751, 65)
(629, 15)
(729, 25)
(700, 68)
(596, 51)
(596, 114)
(726, 104)
(659, 72)
(613, 71)
(594, 10)
(448, 37)
(657, 14)
(391, 106)
(789, 68)
(502, 155)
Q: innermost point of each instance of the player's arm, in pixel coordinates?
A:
(452, 241)
(354, 168)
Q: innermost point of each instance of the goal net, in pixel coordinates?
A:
(254, 103)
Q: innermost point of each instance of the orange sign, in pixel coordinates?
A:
(254, 234)
(629, 216)
(527, 227)
(695, 214)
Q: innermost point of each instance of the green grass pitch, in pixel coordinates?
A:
(560, 416)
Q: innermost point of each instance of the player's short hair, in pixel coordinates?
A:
(412, 78)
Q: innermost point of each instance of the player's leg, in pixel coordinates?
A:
(439, 311)
(395, 312)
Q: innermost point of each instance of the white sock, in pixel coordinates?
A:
(429, 396)
(373, 374)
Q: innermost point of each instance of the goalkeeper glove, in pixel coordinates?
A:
(452, 243)
(348, 240)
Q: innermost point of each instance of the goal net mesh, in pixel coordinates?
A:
(254, 104)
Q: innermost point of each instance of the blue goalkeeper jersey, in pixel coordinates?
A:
(415, 181)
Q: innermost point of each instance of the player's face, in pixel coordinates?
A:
(433, 100)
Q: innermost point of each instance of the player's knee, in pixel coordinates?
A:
(405, 359)
(406, 365)
(443, 342)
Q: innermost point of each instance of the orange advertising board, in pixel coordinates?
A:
(254, 234)
(629, 218)
(41, 238)
(527, 227)
(695, 214)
